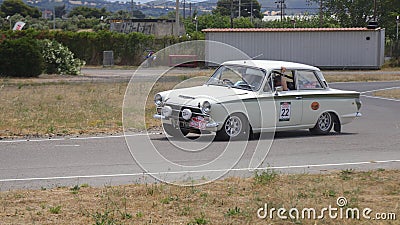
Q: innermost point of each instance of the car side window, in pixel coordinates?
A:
(307, 80)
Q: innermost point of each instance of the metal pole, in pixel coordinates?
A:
(177, 17)
(397, 27)
(184, 9)
(54, 18)
(320, 14)
(251, 8)
(231, 13)
(239, 7)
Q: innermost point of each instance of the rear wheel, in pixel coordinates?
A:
(323, 125)
(172, 131)
(236, 127)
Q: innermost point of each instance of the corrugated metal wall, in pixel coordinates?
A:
(335, 50)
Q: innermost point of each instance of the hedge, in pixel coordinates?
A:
(89, 46)
(20, 58)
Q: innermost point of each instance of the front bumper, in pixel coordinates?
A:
(198, 120)
(211, 125)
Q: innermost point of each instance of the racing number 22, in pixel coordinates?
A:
(285, 111)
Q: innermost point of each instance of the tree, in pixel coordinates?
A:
(11, 7)
(357, 13)
(231, 8)
(138, 14)
(387, 10)
(88, 12)
(60, 11)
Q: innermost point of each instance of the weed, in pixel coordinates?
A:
(84, 185)
(302, 195)
(139, 214)
(167, 200)
(51, 129)
(185, 211)
(59, 97)
(204, 195)
(265, 176)
(55, 209)
(75, 189)
(345, 174)
(233, 212)
(330, 193)
(199, 220)
(105, 218)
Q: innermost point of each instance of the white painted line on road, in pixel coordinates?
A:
(200, 171)
(359, 82)
(67, 145)
(381, 98)
(75, 138)
(381, 89)
(33, 140)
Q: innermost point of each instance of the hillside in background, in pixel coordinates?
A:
(158, 8)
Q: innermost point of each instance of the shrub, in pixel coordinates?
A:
(20, 58)
(59, 59)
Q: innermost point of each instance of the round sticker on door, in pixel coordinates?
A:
(284, 114)
(314, 105)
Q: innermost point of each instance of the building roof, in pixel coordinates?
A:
(286, 29)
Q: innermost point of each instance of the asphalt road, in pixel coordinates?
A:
(369, 142)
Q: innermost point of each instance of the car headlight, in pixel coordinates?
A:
(158, 99)
(206, 107)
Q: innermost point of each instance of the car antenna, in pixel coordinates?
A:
(257, 56)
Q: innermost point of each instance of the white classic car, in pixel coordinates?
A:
(247, 97)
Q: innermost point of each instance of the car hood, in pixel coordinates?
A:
(195, 95)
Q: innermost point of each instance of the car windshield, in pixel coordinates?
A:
(241, 77)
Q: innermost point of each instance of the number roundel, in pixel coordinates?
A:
(315, 106)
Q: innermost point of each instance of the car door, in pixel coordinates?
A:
(287, 106)
(288, 102)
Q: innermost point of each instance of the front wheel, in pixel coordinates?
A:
(236, 127)
(324, 124)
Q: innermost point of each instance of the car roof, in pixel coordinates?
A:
(271, 64)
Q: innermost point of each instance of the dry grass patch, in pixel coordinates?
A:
(360, 77)
(394, 93)
(230, 201)
(60, 108)
(44, 107)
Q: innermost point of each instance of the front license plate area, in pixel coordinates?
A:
(198, 122)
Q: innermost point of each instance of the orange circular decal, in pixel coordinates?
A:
(315, 105)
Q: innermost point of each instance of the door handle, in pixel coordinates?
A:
(299, 97)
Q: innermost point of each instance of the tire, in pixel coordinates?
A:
(172, 131)
(236, 127)
(324, 124)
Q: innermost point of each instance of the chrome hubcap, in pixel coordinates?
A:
(324, 121)
(233, 126)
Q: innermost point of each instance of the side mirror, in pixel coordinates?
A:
(278, 89)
